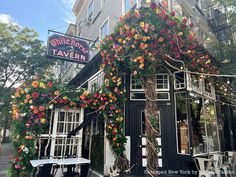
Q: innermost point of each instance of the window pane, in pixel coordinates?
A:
(198, 125)
(104, 30)
(90, 9)
(211, 124)
(182, 123)
(130, 4)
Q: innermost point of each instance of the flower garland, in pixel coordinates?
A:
(142, 37)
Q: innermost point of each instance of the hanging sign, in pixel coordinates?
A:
(67, 48)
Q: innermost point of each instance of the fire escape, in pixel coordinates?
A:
(218, 20)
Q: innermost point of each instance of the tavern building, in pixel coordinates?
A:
(192, 121)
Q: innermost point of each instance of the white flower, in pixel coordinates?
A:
(26, 90)
(26, 150)
(12, 96)
(23, 114)
(50, 106)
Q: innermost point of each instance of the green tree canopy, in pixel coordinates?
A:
(22, 55)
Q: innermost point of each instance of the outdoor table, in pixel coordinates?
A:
(72, 161)
(67, 161)
(36, 163)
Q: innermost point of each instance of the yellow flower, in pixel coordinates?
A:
(42, 85)
(43, 120)
(180, 33)
(65, 97)
(17, 94)
(144, 38)
(30, 101)
(148, 1)
(141, 24)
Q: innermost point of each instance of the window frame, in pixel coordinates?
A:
(176, 130)
(88, 8)
(135, 6)
(175, 83)
(100, 29)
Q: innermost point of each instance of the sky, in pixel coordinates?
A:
(39, 15)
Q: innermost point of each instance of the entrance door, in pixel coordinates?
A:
(138, 139)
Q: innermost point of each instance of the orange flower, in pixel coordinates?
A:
(35, 84)
(143, 46)
(141, 66)
(28, 137)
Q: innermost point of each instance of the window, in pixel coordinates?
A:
(129, 4)
(162, 82)
(179, 80)
(104, 29)
(204, 125)
(62, 122)
(177, 8)
(162, 86)
(182, 123)
(96, 81)
(90, 9)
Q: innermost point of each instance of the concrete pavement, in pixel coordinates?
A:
(5, 157)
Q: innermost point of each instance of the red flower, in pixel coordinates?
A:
(35, 95)
(50, 84)
(112, 107)
(172, 13)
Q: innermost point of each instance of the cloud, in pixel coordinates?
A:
(5, 18)
(66, 7)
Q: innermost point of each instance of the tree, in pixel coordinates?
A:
(22, 56)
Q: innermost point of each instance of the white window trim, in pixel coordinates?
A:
(100, 28)
(179, 88)
(158, 90)
(91, 2)
(176, 128)
(168, 82)
(94, 77)
(138, 5)
(132, 99)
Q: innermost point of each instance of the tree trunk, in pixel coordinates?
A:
(152, 125)
(4, 138)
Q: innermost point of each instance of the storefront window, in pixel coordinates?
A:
(182, 123)
(204, 125)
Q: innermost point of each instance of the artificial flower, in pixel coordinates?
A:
(42, 85)
(35, 95)
(50, 84)
(141, 24)
(35, 84)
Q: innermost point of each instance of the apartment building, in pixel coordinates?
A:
(97, 18)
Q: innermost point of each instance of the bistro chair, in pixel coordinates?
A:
(230, 160)
(46, 170)
(70, 169)
(202, 165)
(220, 168)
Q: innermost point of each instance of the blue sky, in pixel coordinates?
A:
(40, 15)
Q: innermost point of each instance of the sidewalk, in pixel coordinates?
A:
(7, 153)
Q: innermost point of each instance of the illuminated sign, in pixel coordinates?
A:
(67, 48)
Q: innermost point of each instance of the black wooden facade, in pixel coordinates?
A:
(172, 161)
